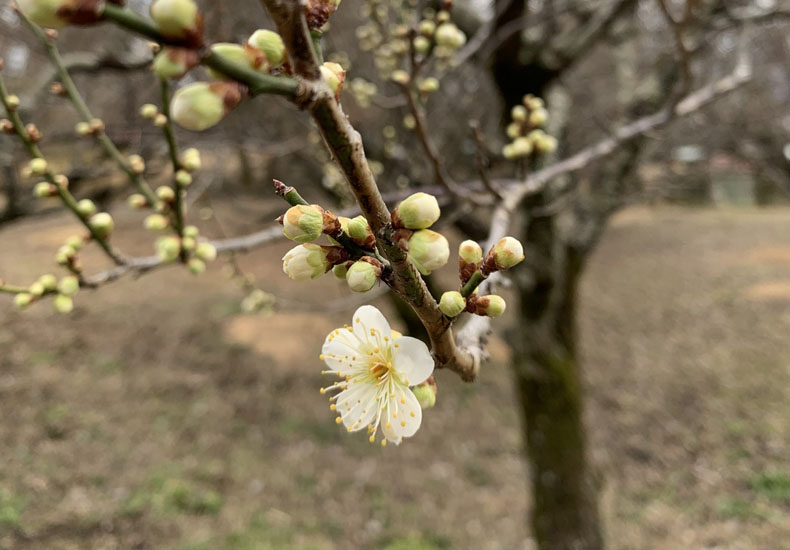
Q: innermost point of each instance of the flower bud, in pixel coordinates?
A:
(22, 301)
(428, 85)
(265, 50)
(400, 76)
(334, 75)
(191, 231)
(425, 394)
(533, 103)
(43, 12)
(83, 128)
(178, 19)
(49, 282)
(490, 306)
(303, 223)
(149, 111)
(362, 275)
(470, 252)
(183, 179)
(505, 254)
(37, 166)
(417, 211)
(165, 193)
(546, 144)
(201, 105)
(64, 255)
(359, 230)
(69, 286)
(206, 252)
(137, 201)
(102, 223)
(44, 189)
(318, 12)
(519, 113)
(522, 147)
(452, 303)
(86, 208)
(234, 53)
(196, 266)
(538, 117)
(36, 289)
(428, 250)
(155, 222)
(188, 243)
(63, 304)
(168, 249)
(136, 164)
(160, 120)
(450, 36)
(427, 27)
(190, 160)
(422, 45)
(172, 62)
(306, 261)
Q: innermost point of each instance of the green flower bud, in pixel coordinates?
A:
(178, 19)
(137, 201)
(201, 105)
(400, 76)
(509, 152)
(196, 266)
(425, 394)
(522, 147)
(49, 282)
(86, 208)
(102, 223)
(174, 63)
(64, 255)
(358, 228)
(428, 85)
(183, 178)
(267, 50)
(168, 249)
(452, 303)
(83, 128)
(417, 211)
(149, 111)
(166, 194)
(36, 289)
(191, 231)
(305, 262)
(362, 276)
(206, 252)
(188, 243)
(69, 286)
(507, 253)
(428, 250)
(44, 189)
(37, 166)
(63, 304)
(303, 223)
(340, 271)
(450, 36)
(422, 45)
(232, 52)
(427, 27)
(75, 243)
(12, 101)
(156, 222)
(546, 144)
(44, 12)
(136, 163)
(519, 113)
(533, 103)
(190, 160)
(22, 301)
(513, 130)
(491, 305)
(538, 117)
(470, 252)
(334, 75)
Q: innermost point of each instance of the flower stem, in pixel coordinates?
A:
(474, 281)
(172, 147)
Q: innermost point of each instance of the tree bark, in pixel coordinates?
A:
(564, 512)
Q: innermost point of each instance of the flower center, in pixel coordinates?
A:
(379, 370)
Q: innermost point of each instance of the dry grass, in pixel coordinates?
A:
(158, 417)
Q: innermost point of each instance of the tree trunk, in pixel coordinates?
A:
(565, 510)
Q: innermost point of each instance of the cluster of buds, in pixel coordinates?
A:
(525, 130)
(474, 268)
(48, 285)
(189, 248)
(427, 249)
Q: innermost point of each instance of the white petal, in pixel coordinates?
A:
(404, 415)
(357, 405)
(412, 360)
(370, 325)
(342, 358)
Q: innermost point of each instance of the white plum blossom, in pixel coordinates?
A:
(376, 366)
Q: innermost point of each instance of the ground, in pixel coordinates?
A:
(158, 416)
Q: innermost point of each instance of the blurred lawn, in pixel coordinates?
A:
(159, 417)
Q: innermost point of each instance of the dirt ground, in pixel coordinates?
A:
(158, 416)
